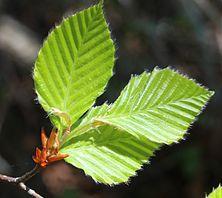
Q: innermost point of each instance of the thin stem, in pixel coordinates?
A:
(19, 181)
(81, 129)
(28, 175)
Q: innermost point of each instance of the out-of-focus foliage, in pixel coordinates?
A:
(185, 34)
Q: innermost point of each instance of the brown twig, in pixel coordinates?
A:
(20, 181)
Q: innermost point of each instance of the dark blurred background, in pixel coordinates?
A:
(185, 34)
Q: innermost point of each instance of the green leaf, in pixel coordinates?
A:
(113, 141)
(160, 105)
(217, 193)
(108, 155)
(74, 66)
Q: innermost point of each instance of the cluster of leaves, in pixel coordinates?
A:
(112, 141)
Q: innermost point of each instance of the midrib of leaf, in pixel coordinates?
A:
(101, 142)
(154, 107)
(74, 66)
(76, 59)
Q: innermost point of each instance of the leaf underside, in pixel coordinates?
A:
(74, 64)
(108, 155)
(217, 193)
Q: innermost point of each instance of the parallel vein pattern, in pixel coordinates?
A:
(113, 141)
(160, 106)
(75, 64)
(108, 155)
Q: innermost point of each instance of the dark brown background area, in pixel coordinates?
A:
(185, 34)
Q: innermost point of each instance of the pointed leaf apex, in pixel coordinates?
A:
(212, 93)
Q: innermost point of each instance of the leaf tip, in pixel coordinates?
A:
(211, 93)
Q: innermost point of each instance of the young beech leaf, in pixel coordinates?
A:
(74, 65)
(217, 193)
(108, 155)
(113, 141)
(160, 106)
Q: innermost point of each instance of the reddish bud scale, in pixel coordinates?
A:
(50, 150)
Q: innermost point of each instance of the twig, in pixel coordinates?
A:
(19, 181)
(28, 175)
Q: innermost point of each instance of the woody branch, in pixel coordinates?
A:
(20, 181)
